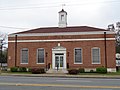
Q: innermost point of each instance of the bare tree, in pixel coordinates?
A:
(3, 40)
(116, 29)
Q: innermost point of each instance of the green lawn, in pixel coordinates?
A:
(16, 72)
(112, 73)
(86, 73)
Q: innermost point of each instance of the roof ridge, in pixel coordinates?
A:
(66, 29)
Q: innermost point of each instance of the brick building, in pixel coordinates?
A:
(62, 46)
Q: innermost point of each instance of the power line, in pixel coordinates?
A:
(48, 6)
(42, 5)
(12, 27)
(34, 7)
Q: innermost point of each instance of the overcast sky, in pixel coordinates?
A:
(20, 15)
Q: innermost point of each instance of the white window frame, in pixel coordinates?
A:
(92, 55)
(21, 55)
(81, 56)
(37, 56)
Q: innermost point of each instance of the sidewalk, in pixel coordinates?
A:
(63, 75)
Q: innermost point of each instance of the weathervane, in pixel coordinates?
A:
(63, 5)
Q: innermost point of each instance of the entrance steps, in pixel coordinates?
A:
(55, 71)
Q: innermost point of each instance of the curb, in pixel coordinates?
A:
(63, 76)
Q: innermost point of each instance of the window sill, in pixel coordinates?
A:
(96, 63)
(78, 63)
(23, 63)
(40, 63)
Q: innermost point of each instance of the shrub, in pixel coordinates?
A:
(42, 70)
(22, 69)
(14, 69)
(73, 71)
(101, 70)
(81, 70)
(37, 70)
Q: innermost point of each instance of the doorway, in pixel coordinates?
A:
(59, 61)
(59, 57)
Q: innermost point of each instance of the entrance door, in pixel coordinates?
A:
(59, 59)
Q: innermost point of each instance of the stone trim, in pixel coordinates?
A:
(64, 40)
(61, 33)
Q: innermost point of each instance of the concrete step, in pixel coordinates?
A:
(55, 71)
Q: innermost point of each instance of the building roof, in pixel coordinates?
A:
(59, 30)
(62, 11)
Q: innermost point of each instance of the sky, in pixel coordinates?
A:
(22, 15)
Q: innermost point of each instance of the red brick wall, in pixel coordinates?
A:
(62, 37)
(85, 45)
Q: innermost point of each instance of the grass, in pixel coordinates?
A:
(86, 73)
(114, 73)
(16, 72)
(94, 73)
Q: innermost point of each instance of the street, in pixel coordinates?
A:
(51, 83)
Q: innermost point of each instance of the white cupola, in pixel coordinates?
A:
(62, 19)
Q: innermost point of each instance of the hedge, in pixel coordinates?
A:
(101, 70)
(73, 71)
(22, 69)
(14, 69)
(38, 70)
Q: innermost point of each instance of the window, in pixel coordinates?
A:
(24, 55)
(40, 55)
(96, 55)
(78, 55)
(62, 17)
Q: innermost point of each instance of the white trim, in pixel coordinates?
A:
(61, 33)
(21, 55)
(89, 69)
(55, 51)
(92, 55)
(81, 56)
(94, 69)
(111, 69)
(65, 40)
(37, 56)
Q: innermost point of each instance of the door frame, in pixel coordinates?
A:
(59, 50)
